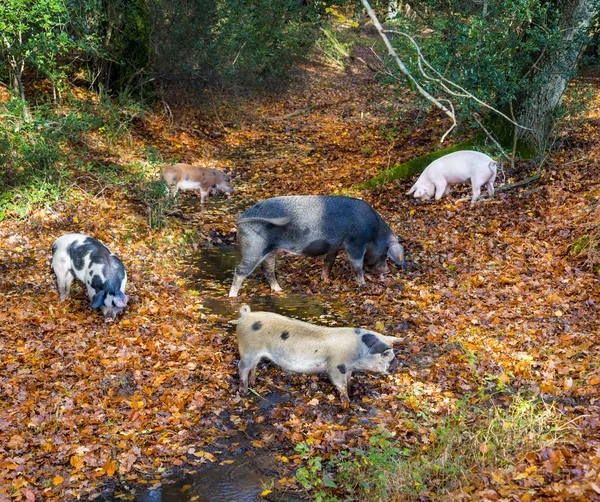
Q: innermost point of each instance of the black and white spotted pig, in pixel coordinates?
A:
(87, 259)
(305, 348)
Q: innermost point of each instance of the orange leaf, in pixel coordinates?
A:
(76, 462)
(110, 466)
(57, 480)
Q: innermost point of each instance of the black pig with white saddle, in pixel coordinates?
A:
(305, 348)
(314, 225)
(83, 257)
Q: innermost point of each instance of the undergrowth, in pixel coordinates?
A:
(470, 441)
(42, 157)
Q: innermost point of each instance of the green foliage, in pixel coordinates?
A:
(469, 440)
(476, 50)
(33, 160)
(234, 42)
(37, 35)
(154, 194)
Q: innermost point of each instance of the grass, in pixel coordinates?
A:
(470, 442)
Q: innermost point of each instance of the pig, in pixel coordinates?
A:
(90, 261)
(314, 225)
(302, 347)
(457, 167)
(187, 177)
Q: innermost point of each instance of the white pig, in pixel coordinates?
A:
(457, 167)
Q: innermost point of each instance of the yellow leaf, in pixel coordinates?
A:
(523, 475)
(282, 458)
(227, 462)
(76, 462)
(75, 219)
(265, 493)
(57, 480)
(206, 455)
(498, 479)
(558, 313)
(185, 488)
(19, 249)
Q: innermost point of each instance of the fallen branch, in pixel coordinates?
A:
(297, 113)
(526, 181)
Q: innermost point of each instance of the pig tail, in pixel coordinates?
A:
(244, 311)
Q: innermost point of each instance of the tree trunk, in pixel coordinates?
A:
(537, 110)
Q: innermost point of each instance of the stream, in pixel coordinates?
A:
(241, 478)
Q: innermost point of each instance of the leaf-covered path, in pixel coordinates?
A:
(491, 305)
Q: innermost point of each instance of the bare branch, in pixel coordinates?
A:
(443, 80)
(489, 135)
(400, 64)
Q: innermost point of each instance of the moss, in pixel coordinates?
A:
(579, 245)
(406, 169)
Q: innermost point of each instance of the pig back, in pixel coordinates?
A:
(312, 225)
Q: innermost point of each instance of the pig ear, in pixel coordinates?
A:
(420, 192)
(392, 339)
(98, 299)
(396, 254)
(121, 299)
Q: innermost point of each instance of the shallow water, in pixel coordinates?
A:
(210, 271)
(240, 481)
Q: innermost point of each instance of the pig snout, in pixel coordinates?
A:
(394, 366)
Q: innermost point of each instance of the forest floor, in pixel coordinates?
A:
(491, 308)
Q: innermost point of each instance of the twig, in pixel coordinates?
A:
(489, 135)
(515, 136)
(443, 80)
(526, 181)
(403, 68)
(297, 113)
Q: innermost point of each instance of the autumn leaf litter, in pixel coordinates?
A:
(492, 304)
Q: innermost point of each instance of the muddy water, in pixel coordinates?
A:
(210, 271)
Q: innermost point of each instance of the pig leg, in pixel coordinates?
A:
(476, 191)
(247, 370)
(356, 257)
(268, 266)
(328, 264)
(64, 277)
(243, 270)
(490, 188)
(203, 194)
(440, 189)
(340, 377)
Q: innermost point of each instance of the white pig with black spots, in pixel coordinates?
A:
(87, 259)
